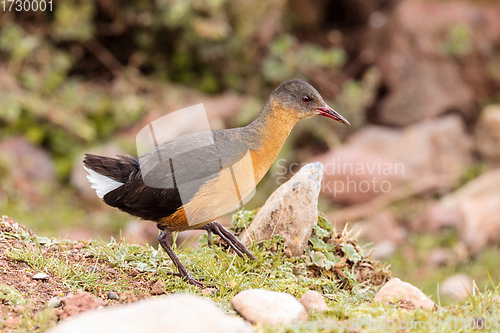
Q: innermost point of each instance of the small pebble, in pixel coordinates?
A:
(54, 302)
(312, 300)
(79, 245)
(113, 296)
(208, 291)
(40, 276)
(18, 308)
(158, 288)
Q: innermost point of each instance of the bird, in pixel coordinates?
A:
(194, 179)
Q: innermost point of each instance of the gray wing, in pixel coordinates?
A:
(189, 161)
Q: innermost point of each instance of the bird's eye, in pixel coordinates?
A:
(306, 99)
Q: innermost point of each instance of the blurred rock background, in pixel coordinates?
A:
(419, 80)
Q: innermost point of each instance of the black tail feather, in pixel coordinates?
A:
(119, 169)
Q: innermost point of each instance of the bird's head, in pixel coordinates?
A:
(300, 98)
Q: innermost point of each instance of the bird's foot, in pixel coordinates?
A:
(183, 272)
(188, 278)
(227, 237)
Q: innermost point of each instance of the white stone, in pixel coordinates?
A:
(40, 276)
(177, 313)
(395, 290)
(268, 307)
(312, 300)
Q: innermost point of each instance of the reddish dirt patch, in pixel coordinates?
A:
(77, 303)
(19, 275)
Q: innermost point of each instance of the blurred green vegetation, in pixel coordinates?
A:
(459, 40)
(87, 72)
(61, 95)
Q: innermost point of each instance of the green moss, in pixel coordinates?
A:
(11, 296)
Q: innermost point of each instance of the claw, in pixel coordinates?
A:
(227, 237)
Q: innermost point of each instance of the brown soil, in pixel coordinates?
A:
(19, 276)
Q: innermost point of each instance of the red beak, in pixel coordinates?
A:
(331, 113)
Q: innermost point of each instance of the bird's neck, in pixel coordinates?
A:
(268, 132)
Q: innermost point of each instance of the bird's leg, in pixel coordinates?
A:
(163, 238)
(228, 237)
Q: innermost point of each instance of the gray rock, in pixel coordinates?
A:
(396, 290)
(487, 134)
(113, 296)
(158, 288)
(481, 222)
(312, 300)
(458, 286)
(426, 96)
(427, 76)
(354, 173)
(291, 211)
(437, 217)
(40, 276)
(54, 302)
(441, 147)
(176, 313)
(268, 307)
(474, 209)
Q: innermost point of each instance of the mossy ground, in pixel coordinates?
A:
(333, 264)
